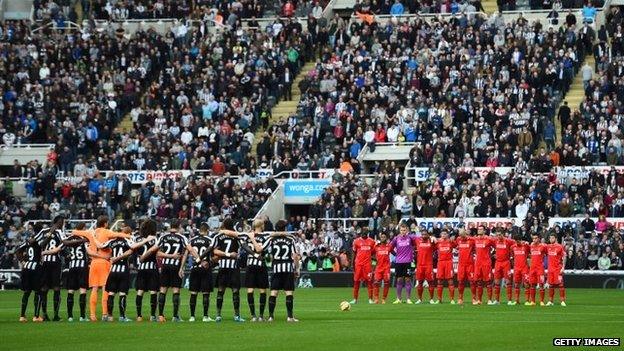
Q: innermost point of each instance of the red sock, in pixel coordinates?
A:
(509, 292)
(461, 290)
(551, 294)
(376, 292)
(452, 291)
(517, 293)
(431, 290)
(440, 288)
(420, 291)
(532, 294)
(369, 285)
(562, 293)
(527, 293)
(542, 293)
(489, 291)
(356, 290)
(386, 289)
(473, 290)
(497, 292)
(479, 292)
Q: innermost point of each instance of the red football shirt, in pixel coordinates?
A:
(503, 249)
(363, 250)
(521, 254)
(382, 254)
(555, 256)
(483, 246)
(425, 252)
(445, 250)
(538, 251)
(465, 248)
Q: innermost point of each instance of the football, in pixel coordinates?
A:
(345, 306)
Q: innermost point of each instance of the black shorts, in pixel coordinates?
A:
(200, 280)
(170, 277)
(147, 280)
(283, 281)
(229, 278)
(118, 282)
(51, 275)
(31, 279)
(257, 277)
(78, 278)
(402, 270)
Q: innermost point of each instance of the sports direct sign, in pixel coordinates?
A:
(141, 177)
(583, 172)
(421, 174)
(469, 223)
(573, 222)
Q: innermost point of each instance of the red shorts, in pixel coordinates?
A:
(483, 272)
(521, 275)
(554, 277)
(501, 270)
(424, 273)
(382, 274)
(362, 273)
(465, 272)
(536, 276)
(445, 270)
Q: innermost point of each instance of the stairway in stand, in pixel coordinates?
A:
(575, 95)
(283, 109)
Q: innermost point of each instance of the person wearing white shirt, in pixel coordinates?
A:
(522, 209)
(186, 137)
(44, 72)
(393, 133)
(203, 131)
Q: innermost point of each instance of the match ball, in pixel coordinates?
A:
(345, 306)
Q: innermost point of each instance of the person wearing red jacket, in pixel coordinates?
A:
(382, 269)
(502, 266)
(424, 265)
(536, 271)
(483, 264)
(445, 266)
(363, 248)
(520, 269)
(465, 267)
(556, 264)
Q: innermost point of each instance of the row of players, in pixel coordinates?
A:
(475, 266)
(99, 259)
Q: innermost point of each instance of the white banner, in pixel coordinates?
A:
(263, 173)
(578, 172)
(430, 223)
(325, 173)
(141, 177)
(423, 173)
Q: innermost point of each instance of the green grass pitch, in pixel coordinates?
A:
(590, 313)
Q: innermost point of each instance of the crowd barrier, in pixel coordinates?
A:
(573, 279)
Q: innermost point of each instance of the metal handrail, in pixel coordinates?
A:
(27, 146)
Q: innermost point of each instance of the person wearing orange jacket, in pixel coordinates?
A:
(100, 262)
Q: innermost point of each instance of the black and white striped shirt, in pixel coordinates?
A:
(282, 251)
(118, 246)
(32, 252)
(170, 244)
(77, 255)
(54, 242)
(150, 263)
(201, 244)
(257, 259)
(228, 245)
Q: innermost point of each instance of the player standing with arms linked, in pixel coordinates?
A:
(200, 280)
(147, 270)
(382, 269)
(424, 265)
(502, 266)
(226, 246)
(29, 255)
(445, 265)
(363, 248)
(100, 264)
(174, 248)
(520, 269)
(285, 263)
(483, 264)
(556, 264)
(77, 260)
(118, 281)
(465, 268)
(403, 245)
(51, 267)
(257, 275)
(536, 271)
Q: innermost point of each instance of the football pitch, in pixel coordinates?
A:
(590, 313)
